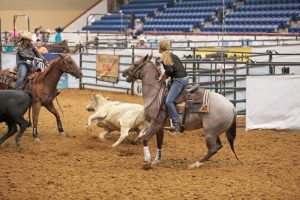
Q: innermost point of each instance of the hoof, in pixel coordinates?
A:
(147, 166)
(156, 162)
(36, 140)
(62, 134)
(18, 144)
(195, 165)
(114, 145)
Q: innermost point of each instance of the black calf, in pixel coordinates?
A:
(13, 106)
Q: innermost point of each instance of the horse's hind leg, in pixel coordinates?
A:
(219, 143)
(50, 107)
(12, 129)
(212, 148)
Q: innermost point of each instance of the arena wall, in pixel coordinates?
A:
(47, 13)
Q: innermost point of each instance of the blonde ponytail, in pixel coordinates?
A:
(164, 48)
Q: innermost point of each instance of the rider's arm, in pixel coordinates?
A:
(168, 70)
(37, 53)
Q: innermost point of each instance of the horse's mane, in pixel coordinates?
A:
(42, 75)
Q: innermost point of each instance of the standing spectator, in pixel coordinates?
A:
(58, 30)
(45, 36)
(138, 28)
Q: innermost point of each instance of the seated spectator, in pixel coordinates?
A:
(141, 43)
(138, 28)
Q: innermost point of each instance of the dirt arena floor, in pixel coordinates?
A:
(80, 166)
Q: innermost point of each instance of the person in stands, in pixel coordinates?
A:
(58, 38)
(179, 80)
(141, 43)
(138, 28)
(37, 34)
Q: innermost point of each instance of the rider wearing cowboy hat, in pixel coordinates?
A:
(26, 53)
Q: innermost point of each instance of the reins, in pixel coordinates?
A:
(148, 83)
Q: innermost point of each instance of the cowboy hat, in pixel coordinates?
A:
(46, 31)
(138, 20)
(26, 35)
(142, 38)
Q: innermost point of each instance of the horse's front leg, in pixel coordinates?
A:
(153, 128)
(50, 107)
(159, 143)
(36, 107)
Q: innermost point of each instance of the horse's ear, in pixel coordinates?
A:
(94, 95)
(150, 57)
(145, 58)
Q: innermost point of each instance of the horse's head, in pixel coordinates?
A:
(68, 65)
(134, 72)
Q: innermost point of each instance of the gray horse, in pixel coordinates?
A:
(221, 117)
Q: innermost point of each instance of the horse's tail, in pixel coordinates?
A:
(231, 134)
(29, 109)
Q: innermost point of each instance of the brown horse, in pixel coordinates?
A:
(43, 89)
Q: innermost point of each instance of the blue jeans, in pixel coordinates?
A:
(177, 86)
(22, 75)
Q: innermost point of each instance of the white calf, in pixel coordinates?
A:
(114, 115)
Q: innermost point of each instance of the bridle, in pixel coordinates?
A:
(132, 73)
(69, 67)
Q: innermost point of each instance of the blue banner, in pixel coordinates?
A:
(63, 82)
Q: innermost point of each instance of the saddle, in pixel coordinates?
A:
(8, 78)
(193, 100)
(196, 98)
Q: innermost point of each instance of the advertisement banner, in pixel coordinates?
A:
(107, 67)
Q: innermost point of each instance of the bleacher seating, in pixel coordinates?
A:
(204, 15)
(242, 28)
(294, 29)
(259, 16)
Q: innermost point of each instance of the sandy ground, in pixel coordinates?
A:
(80, 166)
